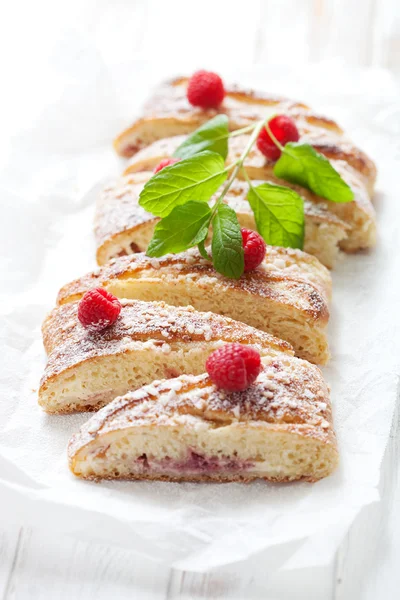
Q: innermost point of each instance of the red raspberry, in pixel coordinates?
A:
(254, 249)
(234, 367)
(205, 89)
(165, 163)
(284, 129)
(98, 309)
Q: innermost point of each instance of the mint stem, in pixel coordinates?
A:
(247, 178)
(243, 130)
(239, 164)
(273, 138)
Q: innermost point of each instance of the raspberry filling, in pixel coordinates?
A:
(196, 463)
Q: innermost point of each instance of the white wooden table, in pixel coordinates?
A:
(34, 565)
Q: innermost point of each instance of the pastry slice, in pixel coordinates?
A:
(283, 262)
(168, 113)
(123, 227)
(185, 429)
(278, 300)
(149, 340)
(359, 215)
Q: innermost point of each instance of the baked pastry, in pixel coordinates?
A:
(149, 340)
(278, 300)
(123, 227)
(359, 215)
(168, 113)
(285, 262)
(185, 429)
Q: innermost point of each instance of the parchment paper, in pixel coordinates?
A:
(48, 191)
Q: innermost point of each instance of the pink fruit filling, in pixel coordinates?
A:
(196, 463)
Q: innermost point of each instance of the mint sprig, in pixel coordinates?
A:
(195, 178)
(180, 194)
(212, 136)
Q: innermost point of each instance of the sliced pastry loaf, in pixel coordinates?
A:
(277, 300)
(149, 340)
(168, 113)
(123, 227)
(358, 215)
(185, 429)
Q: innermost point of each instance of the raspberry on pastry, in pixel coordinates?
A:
(254, 249)
(284, 129)
(205, 89)
(98, 309)
(234, 367)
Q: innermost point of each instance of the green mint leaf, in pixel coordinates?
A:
(300, 163)
(197, 177)
(212, 136)
(279, 214)
(185, 227)
(227, 244)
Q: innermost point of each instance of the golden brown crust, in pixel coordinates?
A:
(169, 113)
(283, 288)
(210, 478)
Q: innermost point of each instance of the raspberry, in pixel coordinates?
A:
(98, 309)
(234, 367)
(284, 129)
(254, 249)
(205, 89)
(165, 163)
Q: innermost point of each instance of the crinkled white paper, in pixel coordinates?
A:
(48, 193)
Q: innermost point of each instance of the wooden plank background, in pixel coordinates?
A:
(360, 32)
